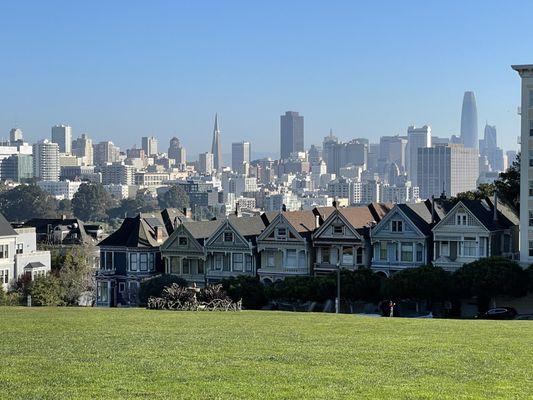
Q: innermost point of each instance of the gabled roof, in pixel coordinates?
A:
(338, 213)
(419, 215)
(248, 226)
(5, 227)
(281, 217)
(202, 230)
(139, 231)
(173, 217)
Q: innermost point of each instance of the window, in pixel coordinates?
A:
(445, 248)
(531, 188)
(219, 261)
(482, 246)
(226, 266)
(461, 219)
(108, 260)
(4, 276)
(302, 259)
(383, 251)
(132, 288)
(530, 157)
(338, 230)
(467, 247)
(419, 253)
(133, 262)
(103, 292)
(200, 267)
(531, 248)
(270, 259)
(237, 262)
(531, 127)
(228, 236)
(182, 241)
(281, 233)
(325, 254)
(4, 250)
(397, 226)
(143, 261)
(151, 261)
(531, 99)
(20, 248)
(174, 265)
(291, 260)
(359, 256)
(121, 287)
(407, 252)
(185, 267)
(248, 262)
(347, 255)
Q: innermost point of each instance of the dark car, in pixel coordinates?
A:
(499, 313)
(525, 317)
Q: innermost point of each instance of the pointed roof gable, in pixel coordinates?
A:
(346, 218)
(5, 227)
(281, 218)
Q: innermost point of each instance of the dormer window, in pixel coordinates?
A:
(461, 219)
(281, 233)
(338, 229)
(228, 236)
(397, 226)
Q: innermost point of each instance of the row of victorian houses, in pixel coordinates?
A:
(387, 238)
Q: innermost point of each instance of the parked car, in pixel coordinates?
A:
(525, 317)
(499, 313)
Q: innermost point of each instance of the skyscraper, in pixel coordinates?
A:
(488, 147)
(216, 147)
(15, 135)
(149, 145)
(292, 133)
(240, 154)
(82, 147)
(46, 160)
(416, 138)
(469, 121)
(526, 150)
(105, 152)
(176, 152)
(205, 163)
(62, 135)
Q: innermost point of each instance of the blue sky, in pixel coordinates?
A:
(120, 70)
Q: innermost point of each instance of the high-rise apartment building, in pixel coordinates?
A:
(240, 154)
(451, 169)
(62, 135)
(105, 152)
(469, 133)
(46, 165)
(416, 138)
(206, 163)
(176, 152)
(82, 148)
(117, 173)
(526, 160)
(216, 147)
(291, 134)
(149, 145)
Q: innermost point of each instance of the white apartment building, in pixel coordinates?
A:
(46, 160)
(117, 173)
(60, 189)
(121, 192)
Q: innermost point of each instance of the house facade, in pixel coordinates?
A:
(475, 229)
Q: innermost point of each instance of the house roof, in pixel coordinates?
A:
(483, 210)
(248, 226)
(73, 225)
(419, 214)
(201, 230)
(5, 227)
(139, 231)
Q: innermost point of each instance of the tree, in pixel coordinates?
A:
(91, 202)
(483, 191)
(76, 277)
(246, 288)
(425, 283)
(46, 291)
(508, 184)
(490, 277)
(132, 207)
(175, 197)
(64, 207)
(27, 201)
(153, 287)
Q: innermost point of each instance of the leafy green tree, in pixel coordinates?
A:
(508, 185)
(153, 287)
(490, 277)
(175, 197)
(246, 288)
(483, 191)
(132, 207)
(76, 276)
(27, 201)
(64, 207)
(91, 202)
(46, 291)
(425, 283)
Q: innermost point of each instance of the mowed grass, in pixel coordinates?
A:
(51, 353)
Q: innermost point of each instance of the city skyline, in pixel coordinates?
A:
(344, 90)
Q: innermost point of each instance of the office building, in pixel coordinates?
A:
(206, 163)
(392, 150)
(488, 147)
(46, 160)
(149, 145)
(469, 133)
(15, 135)
(216, 147)
(82, 148)
(177, 152)
(291, 134)
(448, 169)
(416, 138)
(240, 154)
(17, 168)
(105, 152)
(62, 135)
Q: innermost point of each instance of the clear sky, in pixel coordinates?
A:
(120, 70)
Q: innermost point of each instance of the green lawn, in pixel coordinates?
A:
(50, 353)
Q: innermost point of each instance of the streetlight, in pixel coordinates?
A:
(338, 299)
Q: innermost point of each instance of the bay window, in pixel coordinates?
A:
(134, 262)
(248, 262)
(291, 258)
(325, 255)
(237, 262)
(347, 255)
(419, 252)
(143, 261)
(407, 252)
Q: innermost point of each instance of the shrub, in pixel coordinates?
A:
(46, 291)
(154, 287)
(246, 288)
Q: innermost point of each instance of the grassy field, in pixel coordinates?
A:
(48, 353)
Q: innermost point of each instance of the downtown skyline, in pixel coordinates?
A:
(374, 78)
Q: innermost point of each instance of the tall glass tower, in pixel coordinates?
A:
(469, 121)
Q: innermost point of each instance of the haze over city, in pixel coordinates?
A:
(118, 71)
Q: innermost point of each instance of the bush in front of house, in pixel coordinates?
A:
(46, 290)
(248, 289)
(154, 287)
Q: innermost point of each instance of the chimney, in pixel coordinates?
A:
(237, 209)
(432, 210)
(158, 234)
(334, 203)
(495, 217)
(317, 221)
(283, 207)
